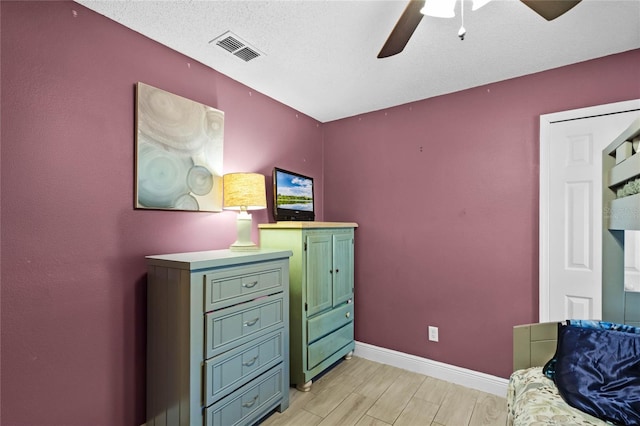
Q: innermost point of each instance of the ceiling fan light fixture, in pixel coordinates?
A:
(477, 4)
(439, 8)
(416, 9)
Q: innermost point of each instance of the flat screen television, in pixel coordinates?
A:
(292, 196)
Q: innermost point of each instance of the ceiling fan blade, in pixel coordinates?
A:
(403, 30)
(550, 9)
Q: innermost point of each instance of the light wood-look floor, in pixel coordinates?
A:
(365, 393)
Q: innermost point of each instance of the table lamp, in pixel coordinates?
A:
(243, 192)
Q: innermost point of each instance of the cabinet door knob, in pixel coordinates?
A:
(250, 362)
(250, 285)
(251, 322)
(348, 314)
(250, 403)
(337, 270)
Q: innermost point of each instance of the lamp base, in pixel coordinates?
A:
(241, 247)
(243, 243)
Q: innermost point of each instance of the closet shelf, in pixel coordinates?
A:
(621, 213)
(625, 171)
(624, 213)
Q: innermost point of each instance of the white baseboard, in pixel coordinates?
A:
(450, 373)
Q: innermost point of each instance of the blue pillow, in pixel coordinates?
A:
(597, 369)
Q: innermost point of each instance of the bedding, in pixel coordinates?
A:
(533, 400)
(596, 369)
(593, 376)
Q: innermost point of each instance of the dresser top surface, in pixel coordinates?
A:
(215, 258)
(306, 224)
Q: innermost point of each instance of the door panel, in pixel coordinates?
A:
(578, 222)
(342, 268)
(319, 293)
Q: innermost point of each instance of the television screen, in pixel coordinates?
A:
(293, 196)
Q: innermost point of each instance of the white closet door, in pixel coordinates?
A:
(571, 241)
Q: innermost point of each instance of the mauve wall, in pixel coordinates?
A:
(73, 270)
(445, 191)
(447, 237)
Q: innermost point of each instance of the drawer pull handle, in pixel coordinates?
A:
(250, 362)
(250, 403)
(348, 314)
(250, 285)
(252, 322)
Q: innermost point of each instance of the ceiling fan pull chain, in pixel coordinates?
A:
(462, 31)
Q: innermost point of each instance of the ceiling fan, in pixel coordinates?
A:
(413, 13)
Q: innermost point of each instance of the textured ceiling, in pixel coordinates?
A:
(320, 56)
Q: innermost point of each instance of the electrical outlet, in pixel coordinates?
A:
(433, 333)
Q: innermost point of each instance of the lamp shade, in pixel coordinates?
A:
(244, 191)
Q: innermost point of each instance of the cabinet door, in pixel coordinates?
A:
(318, 277)
(342, 268)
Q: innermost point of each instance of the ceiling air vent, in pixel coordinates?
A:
(238, 47)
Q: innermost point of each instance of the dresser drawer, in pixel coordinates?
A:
(239, 324)
(328, 345)
(325, 323)
(249, 403)
(236, 285)
(234, 368)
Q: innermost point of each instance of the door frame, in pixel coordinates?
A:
(546, 120)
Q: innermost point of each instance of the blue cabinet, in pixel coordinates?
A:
(321, 293)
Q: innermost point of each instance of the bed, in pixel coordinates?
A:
(532, 398)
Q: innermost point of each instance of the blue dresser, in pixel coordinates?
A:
(218, 337)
